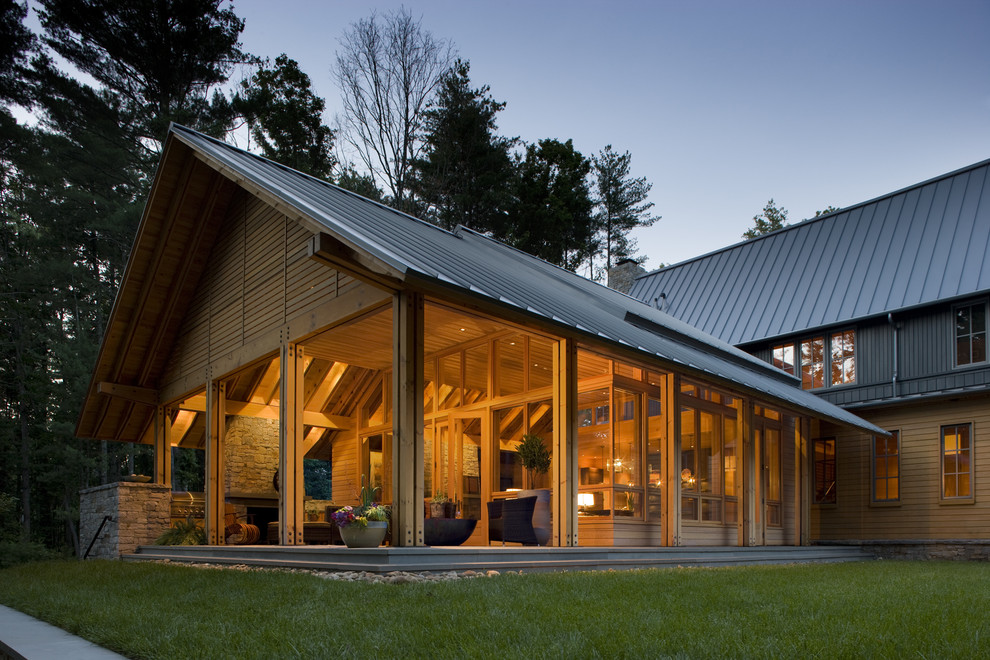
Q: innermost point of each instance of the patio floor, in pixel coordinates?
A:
(462, 558)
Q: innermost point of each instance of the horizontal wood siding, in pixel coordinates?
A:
(703, 534)
(257, 277)
(920, 513)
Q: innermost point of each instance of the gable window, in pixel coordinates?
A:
(783, 357)
(843, 357)
(813, 363)
(886, 468)
(971, 334)
(824, 452)
(957, 461)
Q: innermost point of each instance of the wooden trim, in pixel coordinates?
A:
(142, 395)
(290, 443)
(749, 506)
(408, 445)
(804, 491)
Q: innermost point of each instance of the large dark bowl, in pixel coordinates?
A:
(448, 531)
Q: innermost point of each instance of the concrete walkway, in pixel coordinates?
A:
(25, 638)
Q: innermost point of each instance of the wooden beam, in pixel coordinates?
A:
(215, 486)
(333, 252)
(565, 445)
(290, 445)
(670, 492)
(309, 417)
(407, 420)
(143, 395)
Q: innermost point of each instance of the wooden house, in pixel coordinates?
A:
(880, 308)
(267, 317)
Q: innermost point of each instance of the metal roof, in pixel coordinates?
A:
(914, 247)
(496, 273)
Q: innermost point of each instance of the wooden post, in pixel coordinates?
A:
(407, 419)
(751, 473)
(565, 445)
(163, 446)
(290, 445)
(670, 491)
(215, 486)
(802, 486)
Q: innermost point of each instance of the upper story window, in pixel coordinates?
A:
(824, 361)
(971, 334)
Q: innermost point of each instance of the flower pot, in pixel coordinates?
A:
(541, 514)
(438, 510)
(364, 537)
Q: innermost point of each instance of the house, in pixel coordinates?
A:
(267, 318)
(880, 308)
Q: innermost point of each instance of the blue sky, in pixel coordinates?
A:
(722, 104)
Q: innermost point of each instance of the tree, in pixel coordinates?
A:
(286, 118)
(828, 209)
(464, 173)
(621, 205)
(550, 217)
(16, 42)
(363, 184)
(159, 59)
(772, 219)
(388, 69)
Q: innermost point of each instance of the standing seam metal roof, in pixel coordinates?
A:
(912, 247)
(472, 262)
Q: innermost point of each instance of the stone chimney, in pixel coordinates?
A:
(622, 275)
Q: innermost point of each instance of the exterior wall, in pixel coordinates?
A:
(619, 533)
(139, 514)
(258, 278)
(920, 513)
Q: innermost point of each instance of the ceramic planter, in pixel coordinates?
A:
(364, 537)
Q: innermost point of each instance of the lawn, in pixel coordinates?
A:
(865, 609)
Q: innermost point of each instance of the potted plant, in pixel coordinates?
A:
(363, 526)
(535, 459)
(438, 504)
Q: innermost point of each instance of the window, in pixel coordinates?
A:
(843, 357)
(825, 361)
(886, 468)
(813, 363)
(971, 334)
(783, 357)
(957, 462)
(824, 450)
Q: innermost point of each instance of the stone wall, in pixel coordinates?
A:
(250, 455)
(139, 513)
(956, 549)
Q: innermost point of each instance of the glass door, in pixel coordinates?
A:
(462, 467)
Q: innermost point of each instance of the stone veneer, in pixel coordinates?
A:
(250, 455)
(139, 514)
(958, 549)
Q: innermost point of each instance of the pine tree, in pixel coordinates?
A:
(464, 173)
(772, 219)
(621, 206)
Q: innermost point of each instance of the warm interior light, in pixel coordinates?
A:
(586, 499)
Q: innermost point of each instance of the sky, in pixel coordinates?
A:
(722, 104)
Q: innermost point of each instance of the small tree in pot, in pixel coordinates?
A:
(535, 457)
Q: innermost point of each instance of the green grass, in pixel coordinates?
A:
(869, 609)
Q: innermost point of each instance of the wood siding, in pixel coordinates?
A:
(920, 513)
(258, 277)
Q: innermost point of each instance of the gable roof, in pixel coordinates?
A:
(910, 248)
(409, 252)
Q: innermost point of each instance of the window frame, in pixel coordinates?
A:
(874, 479)
(954, 499)
(826, 365)
(834, 499)
(831, 357)
(955, 335)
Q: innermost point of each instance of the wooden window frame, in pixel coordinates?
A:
(781, 362)
(956, 336)
(826, 362)
(828, 501)
(874, 479)
(970, 497)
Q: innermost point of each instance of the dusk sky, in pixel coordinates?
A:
(723, 105)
